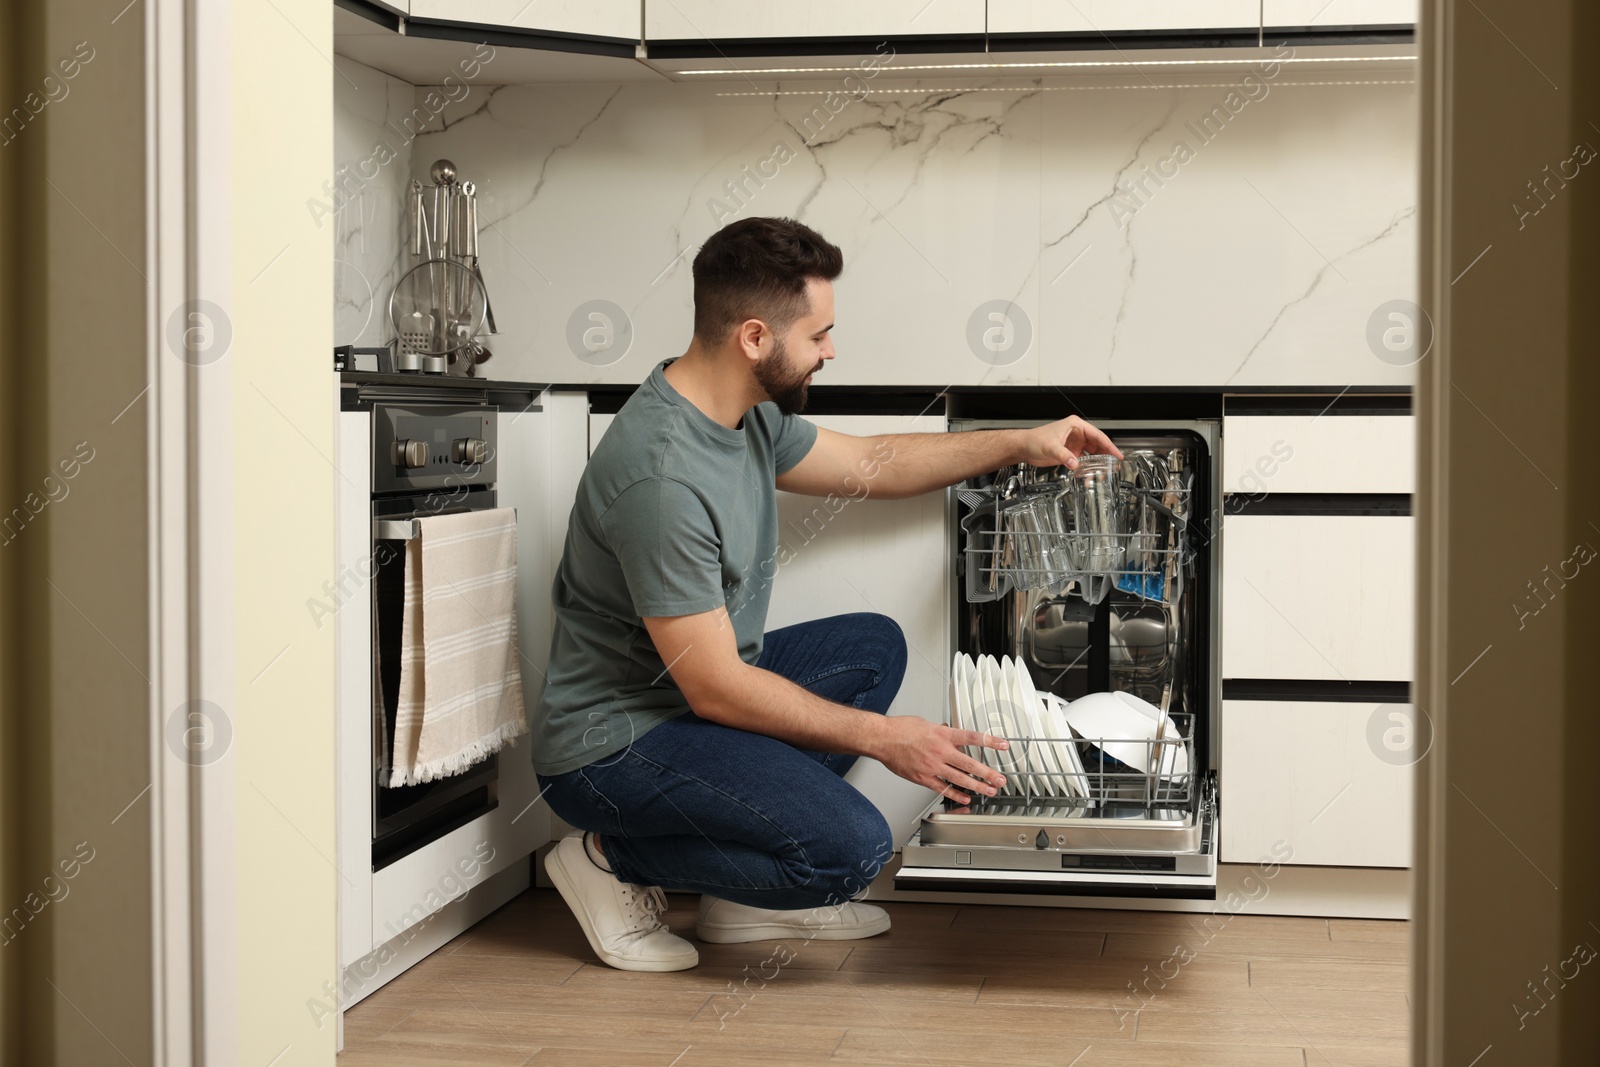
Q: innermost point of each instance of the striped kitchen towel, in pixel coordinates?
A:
(460, 696)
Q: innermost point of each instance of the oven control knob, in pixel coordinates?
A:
(411, 454)
(471, 450)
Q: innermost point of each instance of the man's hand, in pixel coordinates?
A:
(1061, 443)
(929, 754)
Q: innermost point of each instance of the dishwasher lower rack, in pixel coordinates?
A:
(1115, 847)
(1082, 773)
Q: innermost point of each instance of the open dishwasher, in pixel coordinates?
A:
(1085, 589)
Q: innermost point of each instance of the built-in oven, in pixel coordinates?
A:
(1088, 587)
(428, 459)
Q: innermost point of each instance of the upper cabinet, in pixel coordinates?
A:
(1122, 16)
(1336, 14)
(617, 19)
(713, 20)
(692, 26)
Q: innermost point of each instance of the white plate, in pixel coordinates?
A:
(957, 718)
(1041, 754)
(1066, 749)
(962, 690)
(975, 712)
(987, 709)
(1013, 761)
(1121, 725)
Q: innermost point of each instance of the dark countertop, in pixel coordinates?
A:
(359, 390)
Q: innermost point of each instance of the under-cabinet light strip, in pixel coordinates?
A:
(1258, 58)
(1037, 88)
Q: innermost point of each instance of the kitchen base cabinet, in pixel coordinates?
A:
(398, 954)
(391, 917)
(1317, 597)
(855, 553)
(1327, 779)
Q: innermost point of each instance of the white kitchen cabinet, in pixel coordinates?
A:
(1266, 454)
(735, 19)
(1325, 777)
(1333, 14)
(390, 917)
(1317, 597)
(589, 18)
(887, 556)
(1111, 16)
(353, 691)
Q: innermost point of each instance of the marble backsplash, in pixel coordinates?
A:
(364, 201)
(1055, 231)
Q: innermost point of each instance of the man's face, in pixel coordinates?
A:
(798, 353)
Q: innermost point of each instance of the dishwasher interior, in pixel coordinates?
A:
(1097, 581)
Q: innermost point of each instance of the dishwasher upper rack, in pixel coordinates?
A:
(1152, 542)
(1104, 781)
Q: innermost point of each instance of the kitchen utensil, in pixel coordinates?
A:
(419, 221)
(441, 303)
(1142, 525)
(424, 315)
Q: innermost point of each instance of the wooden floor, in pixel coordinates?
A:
(948, 985)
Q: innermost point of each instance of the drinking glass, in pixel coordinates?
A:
(1095, 483)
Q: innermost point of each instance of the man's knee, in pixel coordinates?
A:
(860, 848)
(885, 642)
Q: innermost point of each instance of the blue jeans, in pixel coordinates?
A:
(698, 806)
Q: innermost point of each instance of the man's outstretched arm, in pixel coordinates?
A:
(905, 464)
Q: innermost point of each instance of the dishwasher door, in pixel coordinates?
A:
(1065, 848)
(1131, 836)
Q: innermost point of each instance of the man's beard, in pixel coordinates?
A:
(786, 389)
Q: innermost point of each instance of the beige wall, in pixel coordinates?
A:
(81, 730)
(283, 515)
(77, 748)
(1509, 878)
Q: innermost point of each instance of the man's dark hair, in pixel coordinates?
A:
(757, 269)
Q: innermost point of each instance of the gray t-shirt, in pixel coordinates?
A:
(676, 514)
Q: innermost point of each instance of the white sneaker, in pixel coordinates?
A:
(622, 921)
(723, 922)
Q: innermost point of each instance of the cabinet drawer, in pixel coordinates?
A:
(1323, 777)
(1317, 597)
(1264, 454)
(1110, 16)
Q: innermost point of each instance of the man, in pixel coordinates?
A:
(694, 751)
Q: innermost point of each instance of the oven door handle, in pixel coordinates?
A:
(407, 529)
(394, 529)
